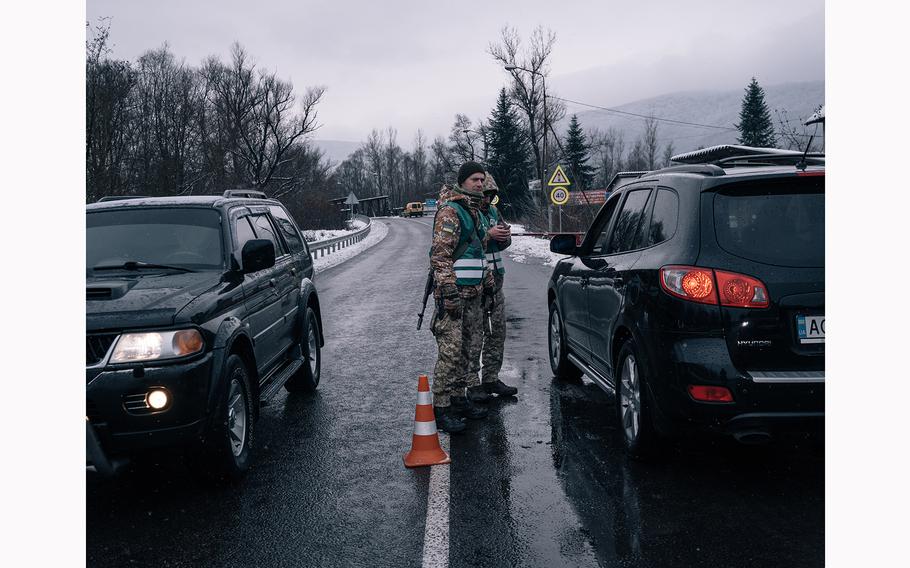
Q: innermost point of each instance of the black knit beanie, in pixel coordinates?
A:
(468, 169)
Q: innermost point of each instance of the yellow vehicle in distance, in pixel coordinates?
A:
(413, 209)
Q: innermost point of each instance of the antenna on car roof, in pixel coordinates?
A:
(801, 164)
(817, 117)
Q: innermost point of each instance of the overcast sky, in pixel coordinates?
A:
(413, 64)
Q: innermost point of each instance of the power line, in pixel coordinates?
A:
(659, 119)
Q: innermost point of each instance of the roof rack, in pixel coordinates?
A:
(245, 193)
(704, 169)
(621, 176)
(120, 197)
(715, 154)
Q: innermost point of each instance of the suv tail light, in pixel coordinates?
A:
(741, 291)
(707, 286)
(689, 283)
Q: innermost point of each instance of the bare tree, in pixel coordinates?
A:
(668, 153)
(463, 138)
(638, 157)
(442, 165)
(527, 87)
(108, 110)
(649, 142)
(161, 127)
(373, 154)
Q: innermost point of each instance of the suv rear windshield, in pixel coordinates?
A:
(783, 225)
(189, 237)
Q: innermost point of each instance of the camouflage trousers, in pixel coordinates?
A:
(456, 339)
(486, 354)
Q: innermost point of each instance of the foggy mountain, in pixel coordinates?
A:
(711, 107)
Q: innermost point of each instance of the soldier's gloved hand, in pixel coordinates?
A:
(451, 301)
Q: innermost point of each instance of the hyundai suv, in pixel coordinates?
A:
(697, 296)
(198, 309)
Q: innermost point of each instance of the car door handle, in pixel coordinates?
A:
(272, 282)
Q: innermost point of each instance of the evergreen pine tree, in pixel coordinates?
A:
(577, 151)
(755, 126)
(509, 157)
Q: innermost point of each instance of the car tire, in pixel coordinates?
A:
(306, 379)
(230, 437)
(557, 350)
(634, 408)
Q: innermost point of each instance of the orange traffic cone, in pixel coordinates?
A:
(425, 448)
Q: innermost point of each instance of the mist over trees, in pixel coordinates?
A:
(158, 126)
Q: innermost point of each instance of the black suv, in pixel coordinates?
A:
(697, 295)
(197, 310)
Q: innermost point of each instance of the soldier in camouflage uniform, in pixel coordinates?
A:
(458, 228)
(493, 304)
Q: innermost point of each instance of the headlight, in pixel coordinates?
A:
(133, 347)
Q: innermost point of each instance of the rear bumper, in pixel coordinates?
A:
(772, 422)
(762, 400)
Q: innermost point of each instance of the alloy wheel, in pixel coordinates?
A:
(554, 338)
(630, 398)
(313, 344)
(237, 417)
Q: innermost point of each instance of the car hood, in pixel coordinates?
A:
(142, 300)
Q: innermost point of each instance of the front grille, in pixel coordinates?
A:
(136, 404)
(96, 347)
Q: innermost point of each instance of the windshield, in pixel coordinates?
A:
(188, 238)
(784, 226)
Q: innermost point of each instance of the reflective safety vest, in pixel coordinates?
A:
(469, 266)
(494, 260)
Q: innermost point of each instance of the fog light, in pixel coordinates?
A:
(703, 393)
(157, 399)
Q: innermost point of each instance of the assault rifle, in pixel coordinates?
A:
(427, 290)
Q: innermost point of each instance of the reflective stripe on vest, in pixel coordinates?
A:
(494, 260)
(470, 266)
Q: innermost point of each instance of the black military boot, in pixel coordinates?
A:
(500, 388)
(447, 420)
(477, 394)
(463, 406)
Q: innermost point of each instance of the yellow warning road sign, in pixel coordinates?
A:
(559, 177)
(559, 195)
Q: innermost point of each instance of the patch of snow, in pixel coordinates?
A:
(323, 234)
(378, 232)
(532, 250)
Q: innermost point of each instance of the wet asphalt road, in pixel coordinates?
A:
(541, 482)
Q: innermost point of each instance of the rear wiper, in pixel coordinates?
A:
(137, 264)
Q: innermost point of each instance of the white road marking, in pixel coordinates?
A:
(436, 534)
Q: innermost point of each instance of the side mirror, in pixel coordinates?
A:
(257, 254)
(563, 244)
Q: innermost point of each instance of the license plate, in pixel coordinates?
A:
(810, 329)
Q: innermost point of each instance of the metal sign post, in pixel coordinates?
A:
(560, 193)
(352, 201)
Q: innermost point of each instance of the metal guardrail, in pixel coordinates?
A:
(328, 246)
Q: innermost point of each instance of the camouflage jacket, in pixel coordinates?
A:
(446, 234)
